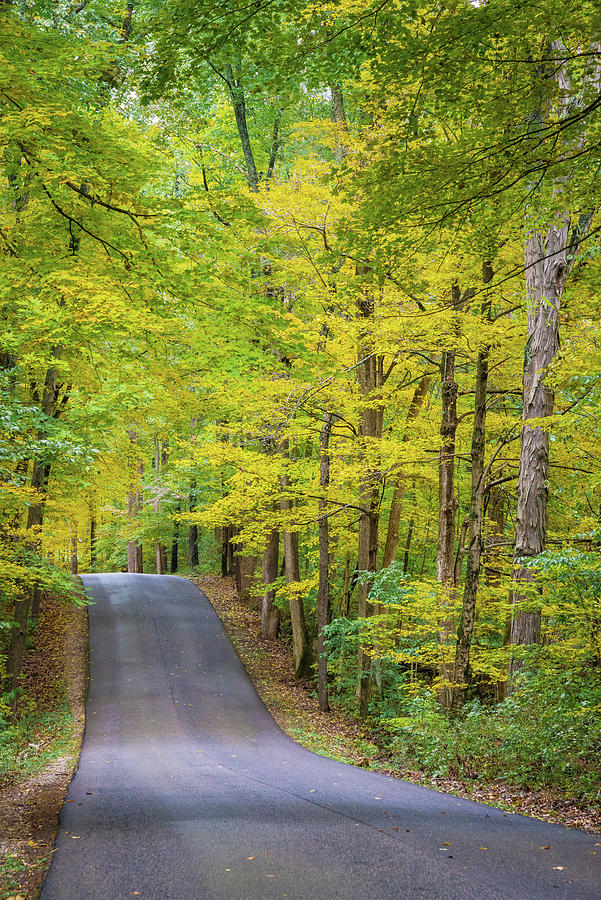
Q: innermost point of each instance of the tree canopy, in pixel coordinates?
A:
(310, 294)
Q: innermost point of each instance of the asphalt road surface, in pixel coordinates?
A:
(187, 789)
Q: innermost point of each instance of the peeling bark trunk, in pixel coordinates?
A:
(549, 256)
(544, 278)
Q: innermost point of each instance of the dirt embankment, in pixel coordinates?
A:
(33, 790)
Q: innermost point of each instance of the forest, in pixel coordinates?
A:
(308, 294)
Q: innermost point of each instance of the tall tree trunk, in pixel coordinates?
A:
(73, 545)
(447, 506)
(301, 647)
(175, 543)
(193, 529)
(160, 461)
(398, 493)
(338, 114)
(544, 280)
(193, 545)
(236, 88)
(346, 585)
(549, 257)
(270, 614)
(465, 628)
(225, 549)
(93, 542)
(410, 528)
(369, 372)
(231, 549)
(134, 505)
(323, 591)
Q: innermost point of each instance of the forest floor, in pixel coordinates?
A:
(38, 757)
(294, 706)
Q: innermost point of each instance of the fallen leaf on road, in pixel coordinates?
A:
(545, 847)
(559, 868)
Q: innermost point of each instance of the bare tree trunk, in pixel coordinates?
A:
(398, 494)
(323, 592)
(270, 614)
(465, 628)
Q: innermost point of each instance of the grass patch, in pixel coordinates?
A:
(37, 739)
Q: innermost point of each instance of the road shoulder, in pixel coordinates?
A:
(32, 794)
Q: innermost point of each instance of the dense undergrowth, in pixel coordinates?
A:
(546, 734)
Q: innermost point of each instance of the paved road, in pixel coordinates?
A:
(187, 788)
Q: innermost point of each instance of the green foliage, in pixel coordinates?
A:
(547, 733)
(38, 737)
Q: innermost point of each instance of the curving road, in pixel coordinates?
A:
(187, 789)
